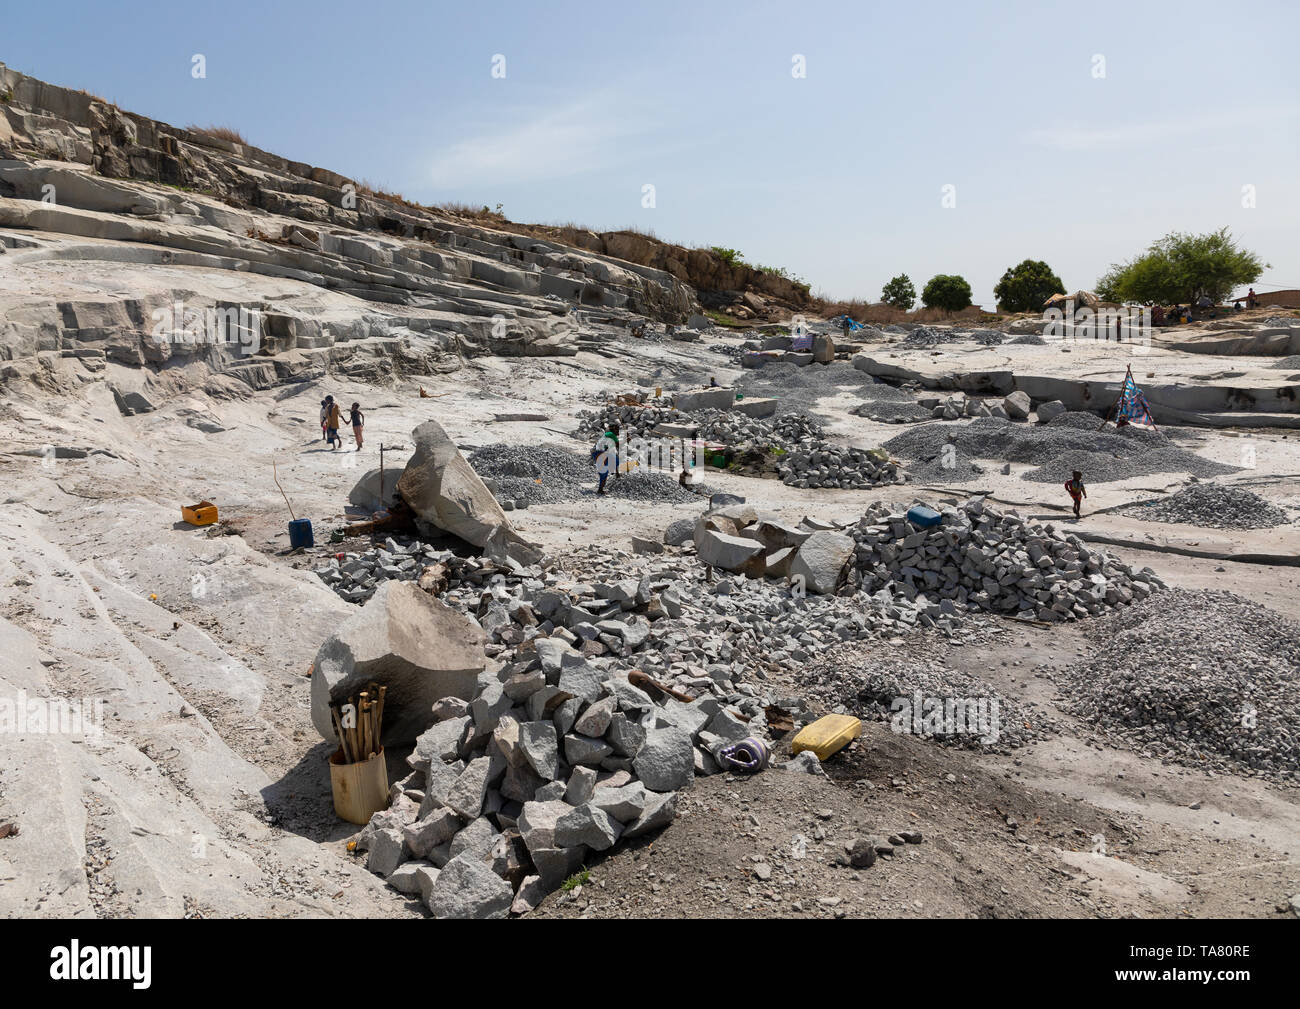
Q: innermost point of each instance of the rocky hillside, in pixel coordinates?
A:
(139, 235)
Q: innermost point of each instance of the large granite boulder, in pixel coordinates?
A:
(372, 494)
(731, 553)
(821, 560)
(444, 491)
(405, 639)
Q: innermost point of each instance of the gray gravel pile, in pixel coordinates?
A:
(798, 390)
(946, 706)
(904, 410)
(927, 336)
(979, 558)
(513, 471)
(1287, 362)
(1029, 340)
(945, 453)
(1282, 320)
(988, 337)
(1213, 506)
(1204, 678)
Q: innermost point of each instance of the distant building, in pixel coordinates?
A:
(1284, 299)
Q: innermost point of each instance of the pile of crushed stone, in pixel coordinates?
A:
(946, 706)
(948, 452)
(798, 390)
(1211, 505)
(1203, 678)
(527, 475)
(927, 336)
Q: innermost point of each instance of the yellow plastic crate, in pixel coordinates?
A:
(828, 735)
(202, 514)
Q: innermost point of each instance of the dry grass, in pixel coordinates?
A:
(226, 133)
(878, 313)
(482, 214)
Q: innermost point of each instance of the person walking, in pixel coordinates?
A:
(605, 456)
(332, 420)
(1076, 490)
(358, 420)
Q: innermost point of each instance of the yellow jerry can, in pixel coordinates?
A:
(828, 735)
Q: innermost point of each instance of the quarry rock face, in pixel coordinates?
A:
(335, 275)
(420, 648)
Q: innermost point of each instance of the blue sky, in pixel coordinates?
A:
(837, 176)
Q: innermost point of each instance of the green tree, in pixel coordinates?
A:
(1181, 268)
(949, 292)
(1024, 288)
(899, 293)
(731, 257)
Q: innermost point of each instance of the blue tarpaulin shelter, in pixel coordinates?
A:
(1132, 406)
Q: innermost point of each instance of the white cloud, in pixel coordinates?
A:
(576, 139)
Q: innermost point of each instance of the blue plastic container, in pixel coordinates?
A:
(920, 515)
(300, 534)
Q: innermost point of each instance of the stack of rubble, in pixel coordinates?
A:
(604, 698)
(355, 575)
(980, 558)
(552, 759)
(924, 337)
(807, 459)
(562, 751)
(725, 426)
(976, 558)
(837, 466)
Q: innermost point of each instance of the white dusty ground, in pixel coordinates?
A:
(207, 792)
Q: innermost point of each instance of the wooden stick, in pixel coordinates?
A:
(342, 734)
(352, 729)
(338, 729)
(276, 478)
(345, 738)
(379, 716)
